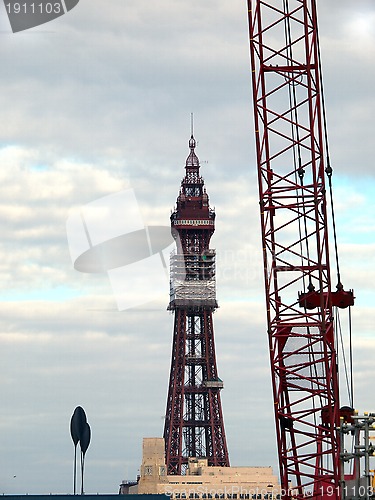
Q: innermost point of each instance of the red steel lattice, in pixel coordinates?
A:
(290, 159)
(194, 426)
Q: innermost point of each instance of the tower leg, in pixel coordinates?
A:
(194, 422)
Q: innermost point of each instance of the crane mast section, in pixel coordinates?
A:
(290, 160)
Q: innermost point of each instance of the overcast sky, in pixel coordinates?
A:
(99, 101)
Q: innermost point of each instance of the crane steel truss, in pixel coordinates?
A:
(289, 149)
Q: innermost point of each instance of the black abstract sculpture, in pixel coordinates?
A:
(81, 433)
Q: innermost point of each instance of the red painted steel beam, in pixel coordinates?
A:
(194, 425)
(290, 162)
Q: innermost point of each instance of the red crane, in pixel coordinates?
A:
(291, 145)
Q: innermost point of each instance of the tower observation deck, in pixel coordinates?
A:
(194, 425)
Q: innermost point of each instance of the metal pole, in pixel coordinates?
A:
(75, 470)
(342, 472)
(367, 458)
(356, 458)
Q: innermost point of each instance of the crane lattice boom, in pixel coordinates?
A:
(291, 173)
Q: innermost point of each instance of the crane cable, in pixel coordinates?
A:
(329, 172)
(299, 172)
(328, 169)
(297, 160)
(349, 382)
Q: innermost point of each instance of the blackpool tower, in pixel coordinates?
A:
(194, 425)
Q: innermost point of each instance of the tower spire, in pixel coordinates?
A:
(192, 161)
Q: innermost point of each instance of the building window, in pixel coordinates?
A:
(148, 470)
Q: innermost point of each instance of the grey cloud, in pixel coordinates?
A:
(102, 102)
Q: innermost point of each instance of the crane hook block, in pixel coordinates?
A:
(340, 298)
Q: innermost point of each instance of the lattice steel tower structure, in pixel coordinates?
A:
(291, 149)
(194, 425)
